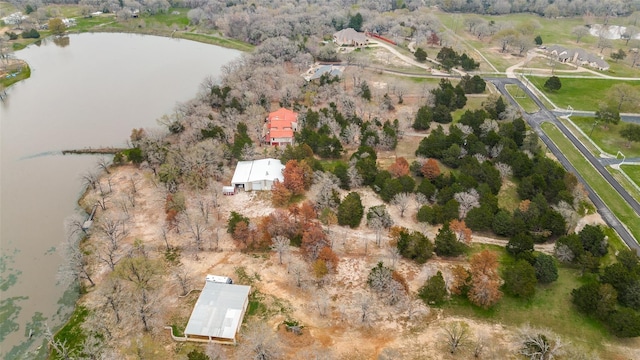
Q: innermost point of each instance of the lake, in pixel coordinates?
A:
(89, 91)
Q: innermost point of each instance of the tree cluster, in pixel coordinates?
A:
(449, 59)
(613, 297)
(486, 151)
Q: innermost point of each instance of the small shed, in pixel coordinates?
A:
(257, 174)
(228, 190)
(218, 313)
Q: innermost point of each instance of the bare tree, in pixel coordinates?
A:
(280, 245)
(103, 163)
(579, 32)
(480, 343)
(195, 225)
(90, 179)
(468, 200)
(401, 201)
(379, 219)
(183, 278)
(327, 184)
(61, 348)
(504, 169)
(322, 302)
(538, 344)
(259, 342)
(75, 266)
(113, 295)
(215, 352)
(298, 272)
(456, 335)
(394, 255)
(365, 307)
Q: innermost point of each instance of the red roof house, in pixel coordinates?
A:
(280, 126)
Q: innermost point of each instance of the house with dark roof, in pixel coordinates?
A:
(330, 70)
(280, 127)
(350, 37)
(578, 57)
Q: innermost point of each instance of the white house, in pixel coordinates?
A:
(257, 174)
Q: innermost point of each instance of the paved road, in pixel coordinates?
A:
(544, 115)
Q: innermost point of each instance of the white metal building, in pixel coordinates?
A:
(218, 313)
(257, 174)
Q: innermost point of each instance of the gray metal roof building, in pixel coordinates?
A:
(218, 313)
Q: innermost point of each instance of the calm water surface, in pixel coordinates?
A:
(89, 93)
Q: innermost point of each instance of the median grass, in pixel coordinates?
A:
(522, 98)
(628, 185)
(607, 193)
(579, 93)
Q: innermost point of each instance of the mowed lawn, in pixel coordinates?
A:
(581, 94)
(607, 136)
(607, 193)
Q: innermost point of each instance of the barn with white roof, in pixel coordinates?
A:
(257, 174)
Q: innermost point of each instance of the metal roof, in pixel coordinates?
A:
(218, 311)
(257, 170)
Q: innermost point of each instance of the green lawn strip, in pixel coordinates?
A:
(607, 193)
(522, 98)
(633, 171)
(617, 174)
(609, 139)
(72, 332)
(579, 93)
(572, 127)
(550, 308)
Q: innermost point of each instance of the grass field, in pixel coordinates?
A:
(581, 94)
(522, 98)
(609, 195)
(609, 140)
(551, 308)
(473, 103)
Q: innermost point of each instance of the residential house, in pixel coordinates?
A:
(578, 57)
(280, 127)
(330, 70)
(350, 37)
